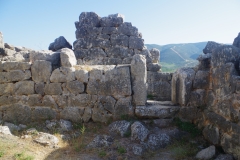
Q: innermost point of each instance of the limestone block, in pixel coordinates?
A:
(6, 89)
(63, 74)
(80, 100)
(53, 89)
(39, 88)
(61, 100)
(82, 75)
(41, 71)
(136, 43)
(73, 114)
(139, 77)
(82, 43)
(127, 29)
(107, 102)
(204, 61)
(158, 76)
(154, 67)
(8, 66)
(161, 90)
(99, 114)
(68, 58)
(17, 113)
(14, 75)
(155, 55)
(119, 52)
(90, 19)
(53, 57)
(119, 40)
(75, 87)
(201, 80)
(211, 46)
(139, 131)
(119, 127)
(24, 88)
(103, 36)
(81, 53)
(43, 113)
(197, 98)
(114, 61)
(127, 60)
(87, 114)
(59, 43)
(109, 30)
(124, 107)
(111, 21)
(102, 43)
(182, 81)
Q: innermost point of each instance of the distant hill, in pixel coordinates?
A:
(174, 56)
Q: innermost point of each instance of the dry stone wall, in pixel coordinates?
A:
(34, 91)
(209, 95)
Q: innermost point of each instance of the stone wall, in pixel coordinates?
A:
(209, 95)
(35, 91)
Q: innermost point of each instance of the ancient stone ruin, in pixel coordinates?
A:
(110, 73)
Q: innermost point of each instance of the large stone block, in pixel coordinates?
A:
(201, 80)
(6, 89)
(182, 81)
(114, 20)
(82, 43)
(59, 43)
(41, 71)
(53, 89)
(102, 43)
(119, 40)
(161, 90)
(136, 43)
(139, 79)
(124, 107)
(197, 98)
(90, 19)
(127, 29)
(99, 114)
(68, 58)
(109, 30)
(80, 100)
(14, 75)
(82, 75)
(75, 87)
(159, 76)
(73, 114)
(204, 62)
(81, 53)
(155, 55)
(8, 66)
(63, 74)
(119, 52)
(43, 113)
(24, 88)
(53, 57)
(211, 46)
(211, 133)
(154, 67)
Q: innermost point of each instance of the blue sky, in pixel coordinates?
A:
(36, 23)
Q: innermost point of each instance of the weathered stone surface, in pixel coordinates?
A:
(90, 19)
(224, 157)
(17, 113)
(211, 133)
(39, 88)
(111, 21)
(225, 54)
(68, 58)
(160, 90)
(95, 56)
(156, 111)
(41, 71)
(5, 130)
(8, 66)
(81, 53)
(24, 88)
(6, 89)
(119, 40)
(162, 123)
(101, 141)
(107, 102)
(82, 43)
(46, 139)
(157, 141)
(14, 75)
(53, 57)
(43, 113)
(119, 52)
(75, 87)
(119, 127)
(197, 98)
(59, 43)
(109, 30)
(204, 61)
(124, 107)
(65, 125)
(188, 113)
(103, 36)
(211, 46)
(138, 149)
(99, 114)
(102, 43)
(154, 67)
(12, 127)
(139, 77)
(201, 80)
(138, 131)
(136, 43)
(236, 41)
(206, 153)
(63, 74)
(182, 81)
(127, 29)
(114, 61)
(155, 55)
(73, 114)
(80, 100)
(82, 75)
(87, 114)
(53, 89)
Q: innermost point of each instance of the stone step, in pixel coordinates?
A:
(156, 111)
(165, 103)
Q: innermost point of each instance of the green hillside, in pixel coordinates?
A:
(173, 56)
